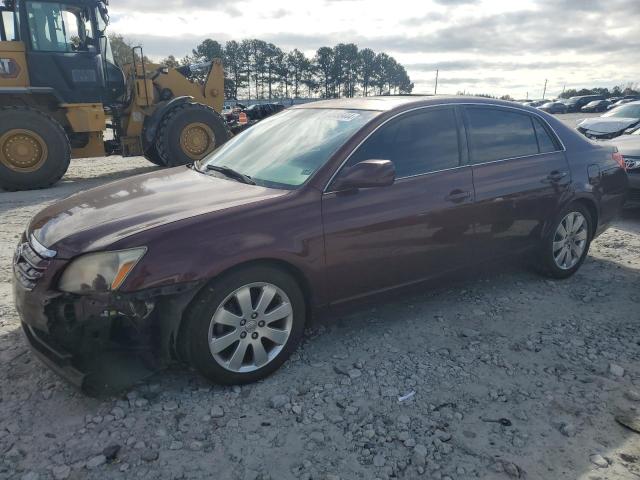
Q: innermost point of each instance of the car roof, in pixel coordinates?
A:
(402, 102)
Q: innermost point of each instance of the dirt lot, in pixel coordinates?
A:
(557, 361)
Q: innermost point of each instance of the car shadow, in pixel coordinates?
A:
(488, 342)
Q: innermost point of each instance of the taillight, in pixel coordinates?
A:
(617, 156)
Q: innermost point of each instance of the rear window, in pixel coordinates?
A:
(496, 134)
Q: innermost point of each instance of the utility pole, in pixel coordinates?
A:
(545, 89)
(435, 91)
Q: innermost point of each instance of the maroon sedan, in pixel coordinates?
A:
(221, 263)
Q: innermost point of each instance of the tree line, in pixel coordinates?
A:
(617, 91)
(258, 69)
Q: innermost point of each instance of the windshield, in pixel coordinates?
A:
(284, 150)
(625, 111)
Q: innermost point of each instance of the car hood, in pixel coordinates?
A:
(607, 124)
(96, 218)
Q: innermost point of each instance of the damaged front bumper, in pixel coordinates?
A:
(104, 342)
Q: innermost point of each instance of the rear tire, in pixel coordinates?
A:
(34, 149)
(217, 313)
(562, 255)
(190, 132)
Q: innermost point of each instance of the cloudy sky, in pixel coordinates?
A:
(481, 46)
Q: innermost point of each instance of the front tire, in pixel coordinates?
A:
(245, 325)
(188, 133)
(565, 248)
(34, 149)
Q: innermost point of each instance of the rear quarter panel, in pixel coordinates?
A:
(596, 176)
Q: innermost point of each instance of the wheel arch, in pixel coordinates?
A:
(277, 263)
(592, 208)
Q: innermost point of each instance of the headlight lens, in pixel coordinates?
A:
(99, 272)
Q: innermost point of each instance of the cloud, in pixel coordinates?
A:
(474, 43)
(456, 2)
(230, 7)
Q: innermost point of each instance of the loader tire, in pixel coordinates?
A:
(34, 149)
(153, 156)
(190, 132)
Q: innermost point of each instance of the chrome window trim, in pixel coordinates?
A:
(40, 249)
(422, 107)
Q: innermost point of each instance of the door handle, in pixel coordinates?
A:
(556, 176)
(457, 196)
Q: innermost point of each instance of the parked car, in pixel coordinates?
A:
(613, 123)
(596, 106)
(574, 104)
(534, 103)
(553, 107)
(221, 263)
(259, 111)
(629, 148)
(622, 101)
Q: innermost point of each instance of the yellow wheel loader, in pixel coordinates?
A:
(61, 90)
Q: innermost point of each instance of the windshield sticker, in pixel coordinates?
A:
(343, 116)
(347, 117)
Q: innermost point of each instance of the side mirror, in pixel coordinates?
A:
(366, 174)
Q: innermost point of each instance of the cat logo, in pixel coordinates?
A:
(9, 68)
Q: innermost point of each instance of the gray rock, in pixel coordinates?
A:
(30, 476)
(149, 455)
(61, 472)
(354, 373)
(96, 461)
(379, 460)
(632, 395)
(598, 460)
(419, 457)
(616, 370)
(278, 401)
(568, 430)
(216, 412)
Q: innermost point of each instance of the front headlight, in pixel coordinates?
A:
(99, 272)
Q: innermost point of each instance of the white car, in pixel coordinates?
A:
(613, 123)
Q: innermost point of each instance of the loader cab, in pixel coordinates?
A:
(66, 50)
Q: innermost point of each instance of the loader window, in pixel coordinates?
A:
(56, 27)
(8, 27)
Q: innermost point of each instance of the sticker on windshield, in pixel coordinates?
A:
(342, 116)
(347, 117)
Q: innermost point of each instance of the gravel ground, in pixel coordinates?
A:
(554, 361)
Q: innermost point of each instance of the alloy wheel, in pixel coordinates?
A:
(250, 327)
(570, 240)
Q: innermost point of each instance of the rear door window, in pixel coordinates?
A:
(546, 142)
(499, 134)
(417, 143)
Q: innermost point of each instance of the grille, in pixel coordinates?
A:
(634, 196)
(28, 266)
(631, 162)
